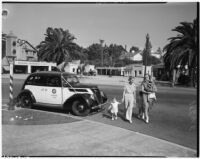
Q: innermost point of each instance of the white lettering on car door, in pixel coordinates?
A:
(54, 95)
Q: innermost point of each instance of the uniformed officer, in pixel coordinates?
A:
(129, 98)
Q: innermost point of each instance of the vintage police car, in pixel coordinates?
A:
(62, 90)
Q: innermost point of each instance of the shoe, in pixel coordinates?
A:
(130, 121)
(147, 120)
(112, 118)
(115, 118)
(143, 116)
(139, 116)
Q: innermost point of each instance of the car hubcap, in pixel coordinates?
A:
(81, 107)
(25, 101)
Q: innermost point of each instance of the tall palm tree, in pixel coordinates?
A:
(57, 46)
(183, 49)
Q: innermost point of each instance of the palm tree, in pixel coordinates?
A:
(57, 46)
(182, 50)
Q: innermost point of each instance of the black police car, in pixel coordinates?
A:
(61, 90)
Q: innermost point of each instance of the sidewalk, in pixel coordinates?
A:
(84, 138)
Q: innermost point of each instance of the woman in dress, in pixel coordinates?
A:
(129, 98)
(147, 87)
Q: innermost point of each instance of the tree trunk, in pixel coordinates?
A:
(191, 77)
(173, 77)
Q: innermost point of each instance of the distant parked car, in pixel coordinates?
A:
(61, 90)
(90, 73)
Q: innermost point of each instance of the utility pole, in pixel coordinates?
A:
(11, 60)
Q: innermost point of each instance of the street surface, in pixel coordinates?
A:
(169, 118)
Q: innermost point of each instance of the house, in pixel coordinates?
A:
(24, 55)
(20, 49)
(134, 56)
(156, 54)
(137, 70)
(114, 71)
(70, 67)
(89, 68)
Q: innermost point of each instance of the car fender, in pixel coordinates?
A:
(84, 97)
(26, 91)
(104, 96)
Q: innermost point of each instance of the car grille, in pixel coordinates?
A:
(98, 94)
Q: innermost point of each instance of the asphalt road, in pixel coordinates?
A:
(169, 118)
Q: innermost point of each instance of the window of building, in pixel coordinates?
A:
(14, 51)
(140, 72)
(14, 43)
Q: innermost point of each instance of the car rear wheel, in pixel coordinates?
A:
(25, 101)
(80, 108)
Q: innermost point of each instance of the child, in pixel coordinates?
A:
(114, 108)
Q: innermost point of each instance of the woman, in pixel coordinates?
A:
(147, 87)
(129, 98)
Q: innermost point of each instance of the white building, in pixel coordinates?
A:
(89, 68)
(33, 66)
(134, 56)
(137, 70)
(21, 49)
(157, 55)
(71, 68)
(24, 55)
(113, 71)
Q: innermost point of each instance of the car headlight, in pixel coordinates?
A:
(102, 94)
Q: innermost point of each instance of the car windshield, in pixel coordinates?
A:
(70, 79)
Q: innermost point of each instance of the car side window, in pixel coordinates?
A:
(30, 80)
(53, 81)
(69, 80)
(39, 80)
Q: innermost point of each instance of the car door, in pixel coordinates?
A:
(53, 90)
(35, 84)
(68, 90)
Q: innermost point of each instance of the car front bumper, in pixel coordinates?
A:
(100, 106)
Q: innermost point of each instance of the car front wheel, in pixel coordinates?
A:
(25, 101)
(80, 108)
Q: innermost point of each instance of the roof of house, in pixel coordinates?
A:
(130, 54)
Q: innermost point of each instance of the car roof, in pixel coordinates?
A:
(51, 73)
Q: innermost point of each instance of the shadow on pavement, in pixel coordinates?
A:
(32, 117)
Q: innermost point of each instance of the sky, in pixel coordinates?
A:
(117, 23)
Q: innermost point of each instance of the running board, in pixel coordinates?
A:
(48, 105)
